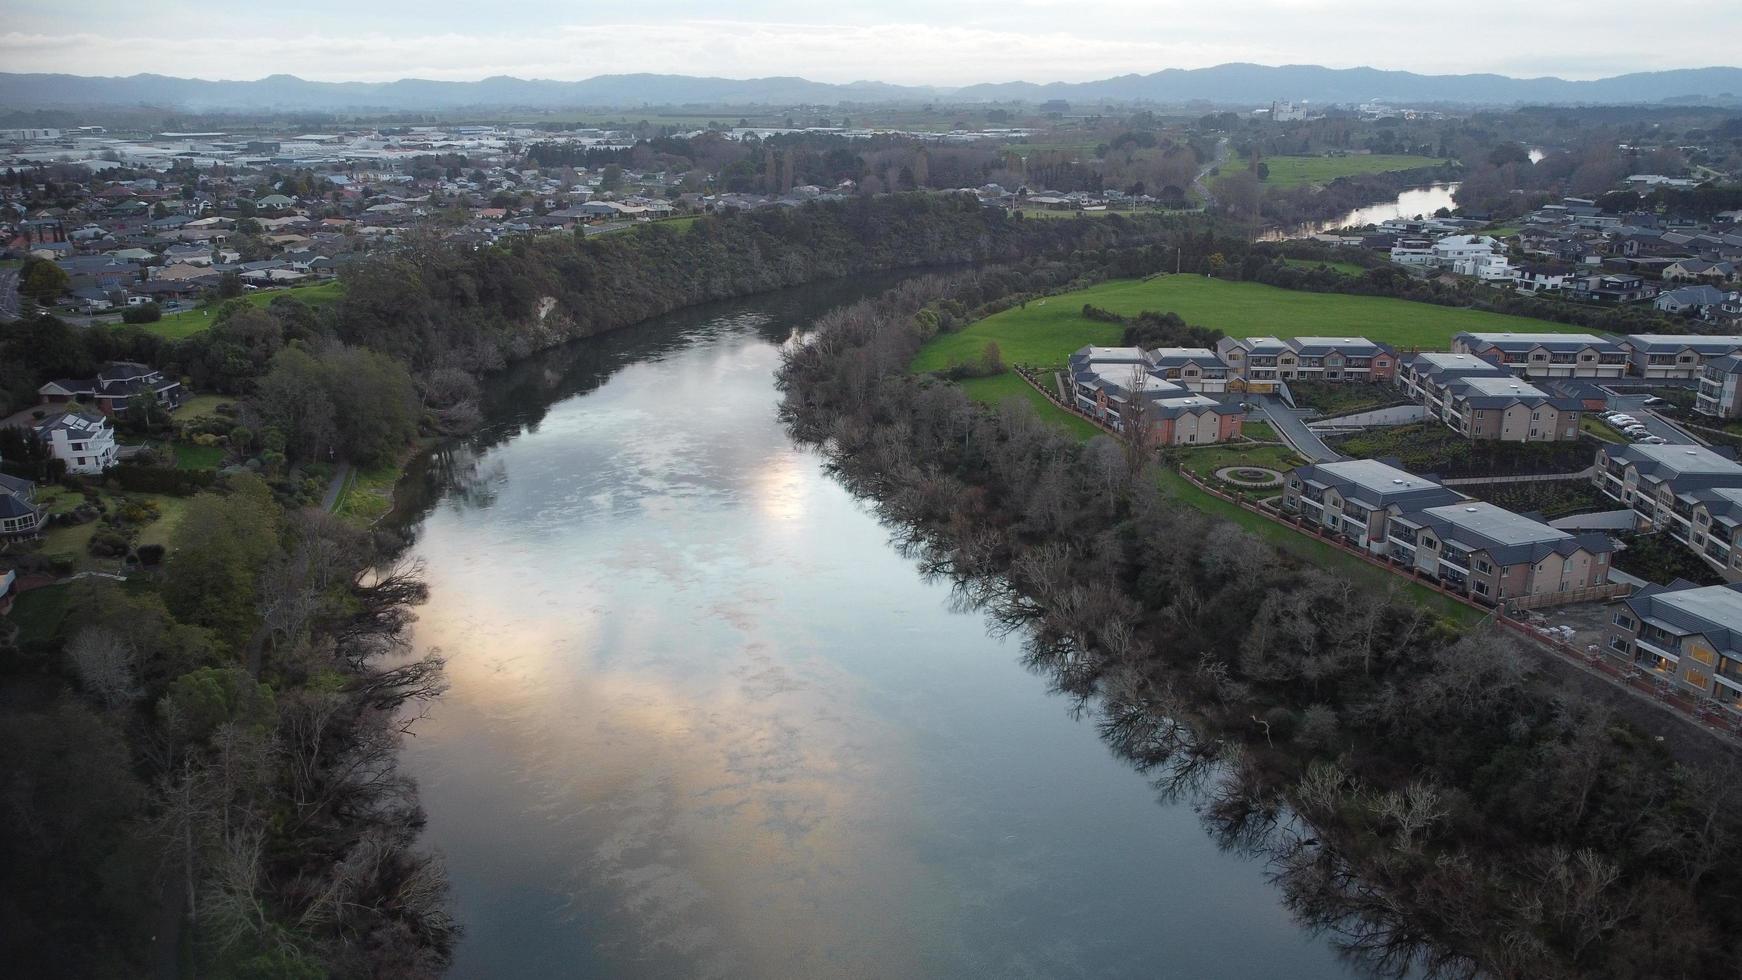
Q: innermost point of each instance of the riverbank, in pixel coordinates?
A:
(1371, 719)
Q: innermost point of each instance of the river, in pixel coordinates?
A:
(1417, 202)
(706, 722)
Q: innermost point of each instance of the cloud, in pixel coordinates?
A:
(1032, 40)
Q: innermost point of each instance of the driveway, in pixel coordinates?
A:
(1290, 424)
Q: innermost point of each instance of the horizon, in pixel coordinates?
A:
(902, 42)
(942, 88)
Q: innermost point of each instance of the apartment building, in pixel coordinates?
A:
(1547, 355)
(1195, 368)
(1656, 355)
(1714, 530)
(1474, 547)
(1660, 482)
(1423, 377)
(1120, 385)
(1720, 391)
(1335, 359)
(1509, 409)
(1691, 636)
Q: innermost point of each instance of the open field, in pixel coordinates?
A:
(177, 326)
(1045, 331)
(1295, 171)
(999, 388)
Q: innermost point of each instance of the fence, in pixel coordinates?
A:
(1610, 590)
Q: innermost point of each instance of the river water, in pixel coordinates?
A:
(705, 721)
(1417, 202)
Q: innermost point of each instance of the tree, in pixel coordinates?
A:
(43, 281)
(143, 313)
(216, 554)
(611, 178)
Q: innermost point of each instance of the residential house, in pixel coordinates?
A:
(1538, 277)
(1688, 635)
(1547, 355)
(19, 514)
(110, 390)
(86, 443)
(1699, 270)
(1657, 355)
(1695, 301)
(1196, 368)
(1614, 288)
(1354, 498)
(1424, 376)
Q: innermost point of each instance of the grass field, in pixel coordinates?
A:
(176, 326)
(1002, 387)
(367, 495)
(1295, 171)
(1346, 268)
(191, 457)
(1044, 332)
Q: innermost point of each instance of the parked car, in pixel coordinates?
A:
(1622, 421)
(1636, 432)
(1654, 400)
(1652, 440)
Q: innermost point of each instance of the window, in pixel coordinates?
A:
(1618, 643)
(1483, 566)
(1481, 588)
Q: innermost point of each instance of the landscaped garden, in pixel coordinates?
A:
(1332, 399)
(1661, 559)
(1550, 498)
(1429, 447)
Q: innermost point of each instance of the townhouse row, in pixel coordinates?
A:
(1689, 492)
(1483, 401)
(1128, 386)
(1467, 545)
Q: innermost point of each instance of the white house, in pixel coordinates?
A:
(1453, 249)
(85, 442)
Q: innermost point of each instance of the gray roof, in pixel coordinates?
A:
(1522, 342)
(1500, 390)
(13, 484)
(1670, 343)
(1355, 346)
(1378, 483)
(1506, 537)
(1684, 468)
(1714, 611)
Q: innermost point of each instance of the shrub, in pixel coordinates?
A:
(150, 554)
(108, 543)
(144, 313)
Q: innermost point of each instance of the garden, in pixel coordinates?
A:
(1429, 447)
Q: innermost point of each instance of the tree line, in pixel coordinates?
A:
(1470, 808)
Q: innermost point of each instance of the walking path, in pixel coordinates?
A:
(1289, 424)
(331, 500)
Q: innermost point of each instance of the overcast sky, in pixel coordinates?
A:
(940, 42)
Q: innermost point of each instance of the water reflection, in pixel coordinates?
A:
(1417, 202)
(705, 721)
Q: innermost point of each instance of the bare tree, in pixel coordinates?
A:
(107, 666)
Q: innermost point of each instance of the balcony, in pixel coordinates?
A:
(1456, 559)
(1656, 649)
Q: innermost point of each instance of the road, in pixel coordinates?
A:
(10, 308)
(1198, 181)
(1289, 424)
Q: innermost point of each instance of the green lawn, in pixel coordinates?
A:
(1346, 268)
(1204, 461)
(176, 326)
(191, 457)
(1295, 171)
(999, 388)
(367, 495)
(199, 407)
(170, 511)
(1045, 331)
(1259, 431)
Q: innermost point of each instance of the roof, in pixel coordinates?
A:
(1506, 537)
(1442, 364)
(1669, 343)
(13, 484)
(1684, 467)
(1714, 611)
(1353, 345)
(77, 424)
(1378, 483)
(1527, 341)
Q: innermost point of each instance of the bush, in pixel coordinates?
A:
(150, 554)
(1318, 728)
(109, 543)
(145, 313)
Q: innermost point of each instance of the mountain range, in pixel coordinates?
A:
(1231, 84)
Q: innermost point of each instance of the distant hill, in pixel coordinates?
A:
(1233, 84)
